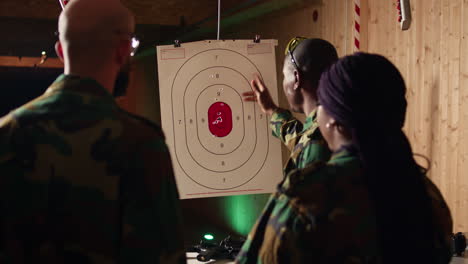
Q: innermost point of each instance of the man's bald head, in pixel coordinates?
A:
(313, 56)
(91, 27)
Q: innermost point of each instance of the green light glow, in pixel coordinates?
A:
(208, 236)
(242, 211)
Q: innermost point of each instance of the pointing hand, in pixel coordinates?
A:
(261, 95)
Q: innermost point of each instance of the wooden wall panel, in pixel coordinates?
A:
(433, 59)
(462, 177)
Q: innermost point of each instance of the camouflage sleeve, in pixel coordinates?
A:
(152, 228)
(316, 222)
(327, 203)
(315, 150)
(249, 250)
(285, 127)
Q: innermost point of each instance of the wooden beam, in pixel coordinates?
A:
(12, 61)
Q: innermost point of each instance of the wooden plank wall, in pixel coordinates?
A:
(433, 58)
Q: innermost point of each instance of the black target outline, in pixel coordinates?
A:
(185, 125)
(243, 121)
(173, 123)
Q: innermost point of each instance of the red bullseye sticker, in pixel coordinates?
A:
(220, 119)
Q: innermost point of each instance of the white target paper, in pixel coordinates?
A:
(219, 144)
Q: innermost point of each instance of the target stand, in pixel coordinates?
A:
(219, 144)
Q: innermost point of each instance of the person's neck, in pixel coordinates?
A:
(310, 104)
(102, 75)
(340, 143)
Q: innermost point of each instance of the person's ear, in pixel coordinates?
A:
(59, 50)
(297, 79)
(343, 131)
(331, 123)
(122, 52)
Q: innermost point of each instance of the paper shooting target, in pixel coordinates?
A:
(219, 144)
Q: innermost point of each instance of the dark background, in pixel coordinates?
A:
(20, 85)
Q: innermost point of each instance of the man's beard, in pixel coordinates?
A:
(122, 80)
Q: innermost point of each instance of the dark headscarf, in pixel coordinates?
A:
(365, 93)
(361, 82)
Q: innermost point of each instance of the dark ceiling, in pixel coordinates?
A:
(28, 26)
(156, 12)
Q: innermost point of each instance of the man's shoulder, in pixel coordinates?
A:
(32, 107)
(7, 125)
(312, 133)
(141, 124)
(14, 119)
(6, 120)
(312, 141)
(345, 168)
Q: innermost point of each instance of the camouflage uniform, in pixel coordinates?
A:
(306, 144)
(82, 181)
(304, 141)
(323, 214)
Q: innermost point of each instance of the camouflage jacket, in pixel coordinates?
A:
(304, 141)
(323, 214)
(82, 181)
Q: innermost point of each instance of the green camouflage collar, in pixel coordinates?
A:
(310, 121)
(342, 154)
(77, 84)
(297, 180)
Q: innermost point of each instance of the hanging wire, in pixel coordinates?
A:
(346, 28)
(219, 17)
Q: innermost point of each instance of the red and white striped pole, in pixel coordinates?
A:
(404, 14)
(63, 3)
(357, 25)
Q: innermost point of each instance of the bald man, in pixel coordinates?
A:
(81, 180)
(305, 61)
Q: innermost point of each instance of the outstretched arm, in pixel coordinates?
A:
(283, 124)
